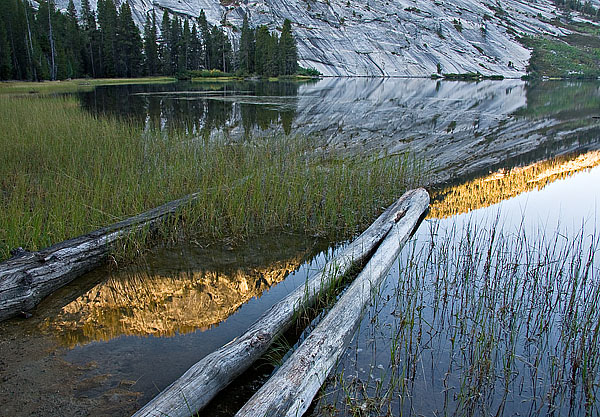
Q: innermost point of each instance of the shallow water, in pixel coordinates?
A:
(118, 337)
(449, 341)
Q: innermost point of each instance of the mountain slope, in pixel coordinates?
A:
(387, 38)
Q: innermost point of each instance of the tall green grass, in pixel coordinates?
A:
(64, 172)
(482, 322)
(72, 86)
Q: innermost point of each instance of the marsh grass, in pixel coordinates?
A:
(482, 321)
(64, 172)
(72, 86)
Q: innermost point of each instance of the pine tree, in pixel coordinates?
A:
(288, 54)
(128, 44)
(165, 44)
(151, 62)
(90, 39)
(175, 40)
(246, 51)
(261, 49)
(195, 49)
(186, 43)
(272, 62)
(107, 20)
(45, 17)
(6, 69)
(206, 39)
(73, 42)
(221, 52)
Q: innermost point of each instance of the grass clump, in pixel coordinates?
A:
(482, 321)
(64, 172)
(72, 86)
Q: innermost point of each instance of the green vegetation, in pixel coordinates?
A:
(571, 57)
(482, 321)
(266, 54)
(586, 8)
(471, 76)
(64, 172)
(308, 72)
(71, 86)
(45, 44)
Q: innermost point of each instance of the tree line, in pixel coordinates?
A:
(585, 8)
(46, 44)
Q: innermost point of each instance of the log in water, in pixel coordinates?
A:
(290, 391)
(28, 277)
(197, 386)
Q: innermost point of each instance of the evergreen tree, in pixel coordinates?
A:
(261, 49)
(195, 49)
(151, 63)
(206, 40)
(9, 16)
(165, 44)
(90, 40)
(107, 20)
(175, 45)
(6, 69)
(185, 47)
(31, 41)
(221, 52)
(272, 57)
(73, 42)
(246, 51)
(128, 44)
(45, 18)
(288, 54)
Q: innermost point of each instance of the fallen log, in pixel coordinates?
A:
(290, 391)
(28, 277)
(199, 384)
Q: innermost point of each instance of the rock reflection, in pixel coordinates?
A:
(156, 299)
(504, 184)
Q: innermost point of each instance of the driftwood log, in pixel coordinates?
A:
(28, 277)
(290, 391)
(199, 384)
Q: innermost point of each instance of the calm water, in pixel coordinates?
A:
(123, 336)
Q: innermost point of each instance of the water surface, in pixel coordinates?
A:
(119, 336)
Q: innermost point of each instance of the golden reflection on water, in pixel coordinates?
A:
(144, 304)
(504, 184)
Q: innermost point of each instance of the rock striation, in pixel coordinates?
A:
(408, 38)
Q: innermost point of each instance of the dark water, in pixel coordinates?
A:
(131, 332)
(457, 128)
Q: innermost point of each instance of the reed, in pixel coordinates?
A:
(72, 86)
(482, 321)
(64, 172)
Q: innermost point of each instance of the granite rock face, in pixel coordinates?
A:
(411, 38)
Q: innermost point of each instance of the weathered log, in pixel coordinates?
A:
(289, 392)
(28, 277)
(199, 384)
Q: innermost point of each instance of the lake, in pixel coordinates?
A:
(507, 155)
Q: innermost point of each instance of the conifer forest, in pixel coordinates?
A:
(44, 43)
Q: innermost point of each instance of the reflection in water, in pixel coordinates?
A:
(463, 130)
(504, 184)
(456, 128)
(173, 295)
(200, 108)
